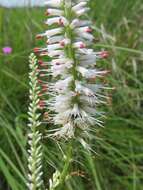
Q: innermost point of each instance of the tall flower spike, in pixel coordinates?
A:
(35, 150)
(74, 91)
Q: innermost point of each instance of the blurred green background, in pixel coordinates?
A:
(118, 164)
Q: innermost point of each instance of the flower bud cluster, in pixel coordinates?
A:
(34, 136)
(74, 91)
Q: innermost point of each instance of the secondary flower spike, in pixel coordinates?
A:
(75, 90)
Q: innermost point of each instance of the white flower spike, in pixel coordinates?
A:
(74, 90)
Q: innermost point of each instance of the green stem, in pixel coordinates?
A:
(68, 159)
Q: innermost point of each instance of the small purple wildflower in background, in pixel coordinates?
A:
(7, 50)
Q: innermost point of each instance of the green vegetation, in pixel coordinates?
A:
(118, 163)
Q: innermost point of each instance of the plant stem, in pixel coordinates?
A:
(68, 159)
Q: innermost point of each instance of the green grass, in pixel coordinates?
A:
(118, 162)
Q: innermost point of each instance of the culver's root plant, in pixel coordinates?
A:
(71, 81)
(74, 91)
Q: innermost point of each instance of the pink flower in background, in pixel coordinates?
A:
(7, 50)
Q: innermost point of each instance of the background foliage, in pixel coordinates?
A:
(118, 163)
